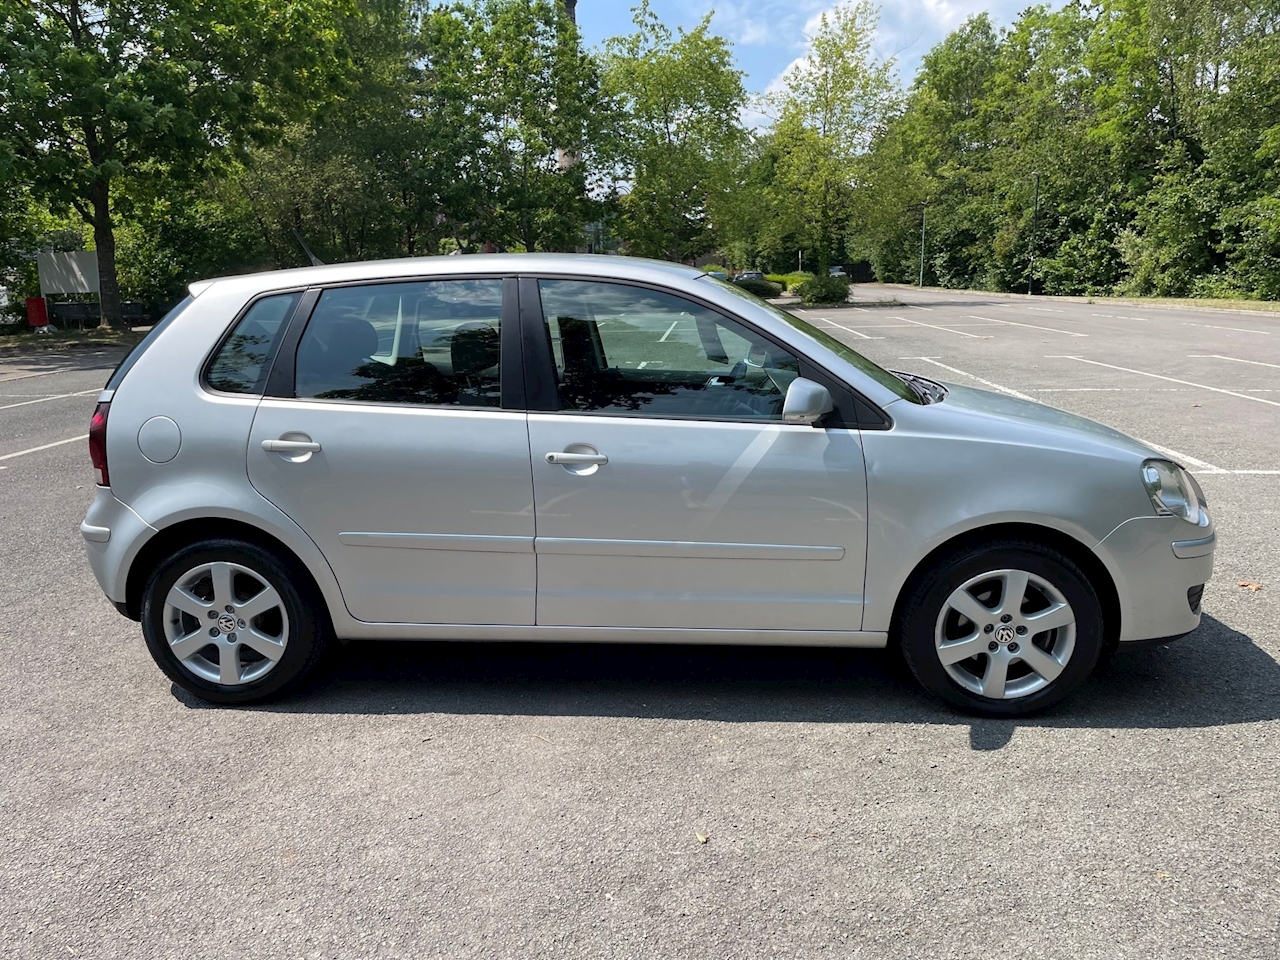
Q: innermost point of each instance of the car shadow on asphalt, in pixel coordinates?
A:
(1213, 677)
(22, 364)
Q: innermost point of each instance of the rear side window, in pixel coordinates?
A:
(240, 365)
(125, 365)
(435, 342)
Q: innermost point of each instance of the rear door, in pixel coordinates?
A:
(669, 493)
(396, 438)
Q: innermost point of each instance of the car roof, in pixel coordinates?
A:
(485, 264)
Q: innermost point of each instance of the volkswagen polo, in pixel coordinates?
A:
(603, 449)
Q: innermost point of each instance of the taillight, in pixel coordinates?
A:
(98, 442)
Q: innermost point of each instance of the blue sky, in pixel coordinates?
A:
(768, 35)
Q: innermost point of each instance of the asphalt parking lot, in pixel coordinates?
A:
(487, 800)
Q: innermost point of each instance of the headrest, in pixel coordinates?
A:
(475, 347)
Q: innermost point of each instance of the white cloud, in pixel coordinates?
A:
(908, 29)
(751, 33)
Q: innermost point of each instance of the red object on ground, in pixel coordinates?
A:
(37, 312)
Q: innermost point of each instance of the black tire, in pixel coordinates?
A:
(924, 604)
(307, 635)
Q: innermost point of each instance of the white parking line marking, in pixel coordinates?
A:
(1218, 356)
(49, 373)
(963, 373)
(669, 329)
(61, 396)
(1118, 316)
(56, 443)
(1044, 310)
(921, 323)
(1185, 458)
(1014, 323)
(1211, 326)
(912, 306)
(1157, 376)
(849, 329)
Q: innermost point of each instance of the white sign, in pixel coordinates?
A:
(75, 272)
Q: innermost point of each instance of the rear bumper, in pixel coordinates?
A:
(112, 535)
(1158, 563)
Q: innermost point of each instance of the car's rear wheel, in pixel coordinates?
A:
(1002, 630)
(233, 622)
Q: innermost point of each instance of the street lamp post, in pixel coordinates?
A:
(1035, 216)
(924, 213)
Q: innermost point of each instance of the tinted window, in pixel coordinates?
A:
(240, 365)
(434, 342)
(623, 349)
(842, 350)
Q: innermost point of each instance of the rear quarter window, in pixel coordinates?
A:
(240, 365)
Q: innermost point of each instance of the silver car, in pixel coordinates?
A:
(577, 448)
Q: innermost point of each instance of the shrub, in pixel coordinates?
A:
(823, 290)
(761, 288)
(795, 278)
(777, 278)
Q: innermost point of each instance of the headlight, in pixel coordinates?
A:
(1171, 489)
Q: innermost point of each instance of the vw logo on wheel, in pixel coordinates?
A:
(1004, 633)
(227, 623)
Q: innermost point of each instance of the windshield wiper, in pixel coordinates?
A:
(929, 391)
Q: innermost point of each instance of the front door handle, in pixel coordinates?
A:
(568, 459)
(290, 446)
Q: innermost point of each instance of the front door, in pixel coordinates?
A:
(668, 491)
(396, 457)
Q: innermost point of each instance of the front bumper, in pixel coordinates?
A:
(113, 534)
(1157, 563)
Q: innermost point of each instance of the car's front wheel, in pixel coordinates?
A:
(1002, 630)
(233, 622)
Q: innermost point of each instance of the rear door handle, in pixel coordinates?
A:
(577, 459)
(290, 446)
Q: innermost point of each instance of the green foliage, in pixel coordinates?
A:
(1150, 130)
(103, 101)
(1113, 146)
(823, 290)
(681, 138)
(789, 281)
(831, 105)
(762, 288)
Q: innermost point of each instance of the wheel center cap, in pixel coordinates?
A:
(227, 623)
(1004, 633)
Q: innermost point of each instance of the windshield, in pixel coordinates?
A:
(873, 370)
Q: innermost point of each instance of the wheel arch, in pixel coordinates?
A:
(1090, 563)
(186, 532)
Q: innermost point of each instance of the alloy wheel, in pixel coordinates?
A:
(225, 623)
(1005, 634)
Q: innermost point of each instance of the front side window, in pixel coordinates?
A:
(240, 365)
(434, 342)
(629, 350)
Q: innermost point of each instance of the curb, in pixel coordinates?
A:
(1137, 302)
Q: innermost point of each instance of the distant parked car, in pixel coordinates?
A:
(562, 448)
(837, 272)
(750, 275)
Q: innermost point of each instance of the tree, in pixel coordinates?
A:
(96, 97)
(682, 138)
(544, 121)
(832, 105)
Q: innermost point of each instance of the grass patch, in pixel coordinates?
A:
(19, 338)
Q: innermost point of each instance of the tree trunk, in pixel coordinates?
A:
(104, 240)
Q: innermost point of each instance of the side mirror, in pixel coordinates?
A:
(806, 402)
